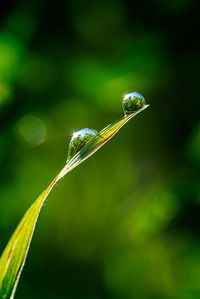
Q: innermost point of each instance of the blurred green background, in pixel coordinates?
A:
(126, 223)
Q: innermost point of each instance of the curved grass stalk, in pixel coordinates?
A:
(14, 255)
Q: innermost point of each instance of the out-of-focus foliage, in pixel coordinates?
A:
(65, 66)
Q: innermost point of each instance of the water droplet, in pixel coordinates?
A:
(78, 140)
(132, 102)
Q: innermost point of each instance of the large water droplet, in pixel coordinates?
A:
(132, 102)
(78, 140)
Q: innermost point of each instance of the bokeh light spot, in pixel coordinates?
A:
(31, 129)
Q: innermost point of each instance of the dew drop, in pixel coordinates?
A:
(78, 140)
(132, 102)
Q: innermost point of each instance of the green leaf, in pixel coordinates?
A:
(14, 256)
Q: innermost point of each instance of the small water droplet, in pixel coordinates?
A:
(78, 140)
(132, 102)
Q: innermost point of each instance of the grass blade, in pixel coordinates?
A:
(14, 255)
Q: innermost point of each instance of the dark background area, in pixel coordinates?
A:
(126, 223)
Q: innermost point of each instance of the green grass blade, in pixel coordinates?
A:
(14, 255)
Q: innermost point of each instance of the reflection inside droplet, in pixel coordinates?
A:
(78, 140)
(132, 102)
